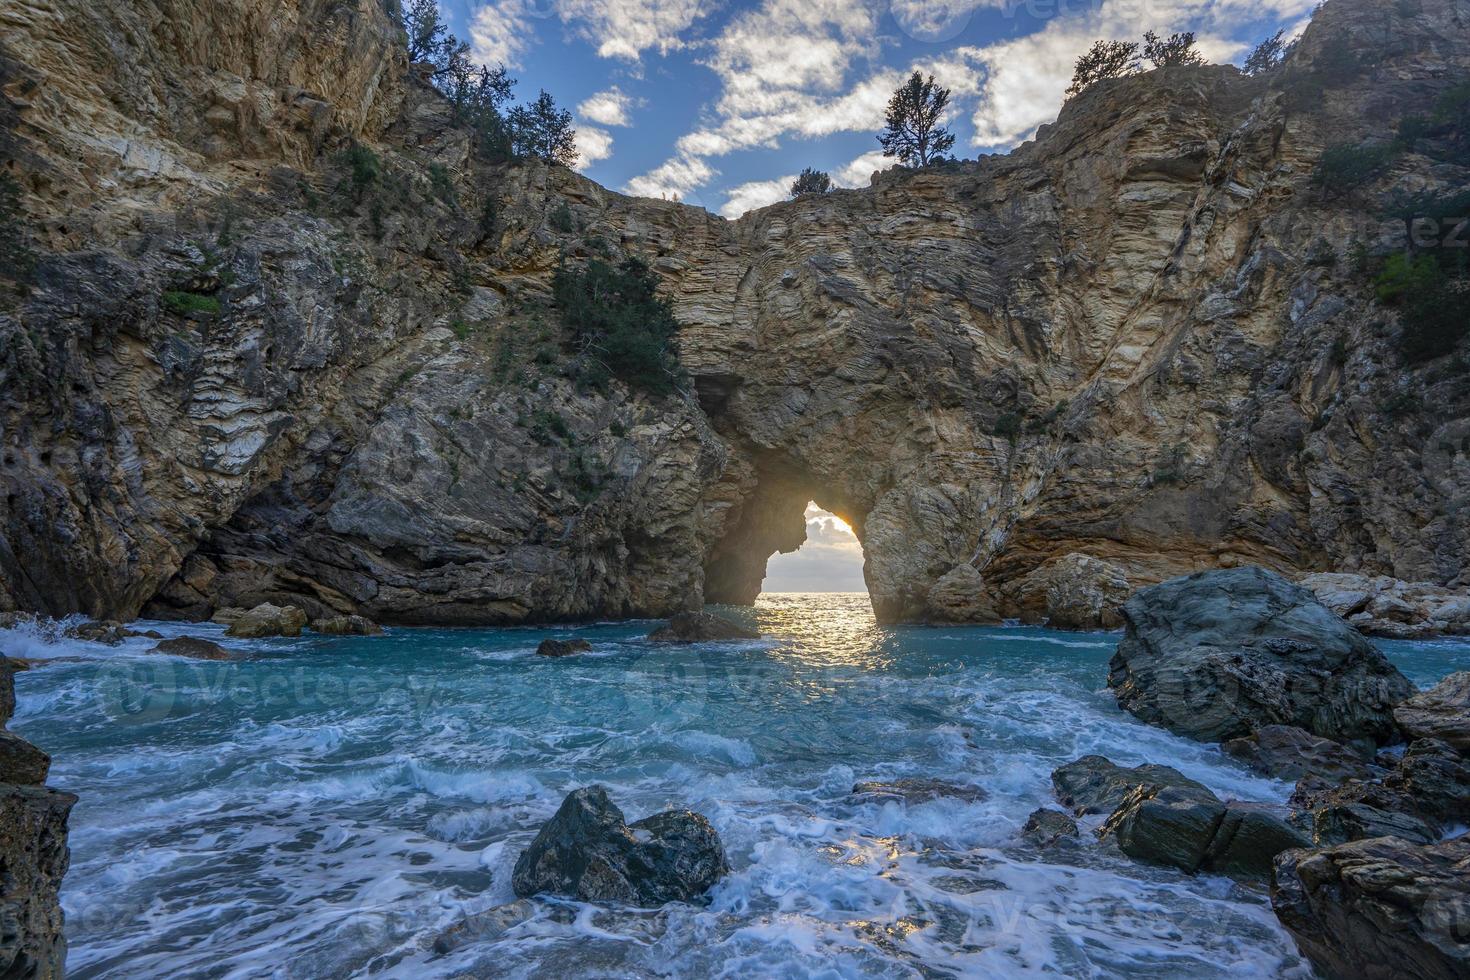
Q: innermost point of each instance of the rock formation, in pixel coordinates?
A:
(1217, 655)
(243, 372)
(1383, 606)
(33, 852)
(1382, 908)
(588, 851)
(1093, 784)
(1442, 712)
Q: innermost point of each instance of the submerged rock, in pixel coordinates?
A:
(483, 926)
(1220, 654)
(919, 790)
(1191, 829)
(588, 851)
(1093, 784)
(1287, 752)
(562, 648)
(267, 619)
(192, 647)
(345, 626)
(1046, 827)
(1442, 712)
(701, 627)
(1379, 908)
(99, 631)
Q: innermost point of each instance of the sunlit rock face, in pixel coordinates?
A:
(1121, 342)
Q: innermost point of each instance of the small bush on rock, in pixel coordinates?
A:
(623, 328)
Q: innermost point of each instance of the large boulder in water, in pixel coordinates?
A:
(1379, 908)
(701, 627)
(562, 648)
(588, 851)
(1442, 712)
(1220, 654)
(1093, 784)
(1189, 828)
(268, 620)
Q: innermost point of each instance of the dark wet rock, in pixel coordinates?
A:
(1220, 654)
(484, 926)
(34, 854)
(267, 619)
(1093, 784)
(588, 851)
(919, 790)
(99, 631)
(1289, 753)
(193, 648)
(701, 627)
(1191, 829)
(21, 762)
(562, 648)
(1442, 712)
(1338, 821)
(1047, 827)
(1379, 908)
(7, 689)
(1437, 778)
(345, 626)
(1427, 791)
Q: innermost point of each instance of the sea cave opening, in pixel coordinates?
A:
(829, 560)
(789, 536)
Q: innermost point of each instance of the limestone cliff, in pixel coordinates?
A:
(1137, 346)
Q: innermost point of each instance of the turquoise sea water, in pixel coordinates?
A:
(329, 805)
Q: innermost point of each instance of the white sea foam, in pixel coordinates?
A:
(322, 835)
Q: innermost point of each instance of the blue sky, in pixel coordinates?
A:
(722, 102)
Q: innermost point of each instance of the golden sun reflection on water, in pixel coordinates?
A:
(825, 629)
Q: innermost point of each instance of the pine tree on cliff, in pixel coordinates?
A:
(542, 130)
(1105, 59)
(429, 40)
(914, 134)
(1172, 51)
(811, 181)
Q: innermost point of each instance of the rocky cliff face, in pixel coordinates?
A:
(1135, 347)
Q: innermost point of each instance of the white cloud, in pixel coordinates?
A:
(811, 68)
(673, 178)
(609, 108)
(859, 173)
(593, 144)
(627, 28)
(502, 31)
(756, 194)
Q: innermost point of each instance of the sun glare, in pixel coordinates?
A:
(815, 513)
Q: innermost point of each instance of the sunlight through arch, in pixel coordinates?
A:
(831, 560)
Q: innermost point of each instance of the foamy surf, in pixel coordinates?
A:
(326, 807)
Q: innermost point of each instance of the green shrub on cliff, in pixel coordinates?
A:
(1346, 167)
(621, 326)
(185, 303)
(1434, 304)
